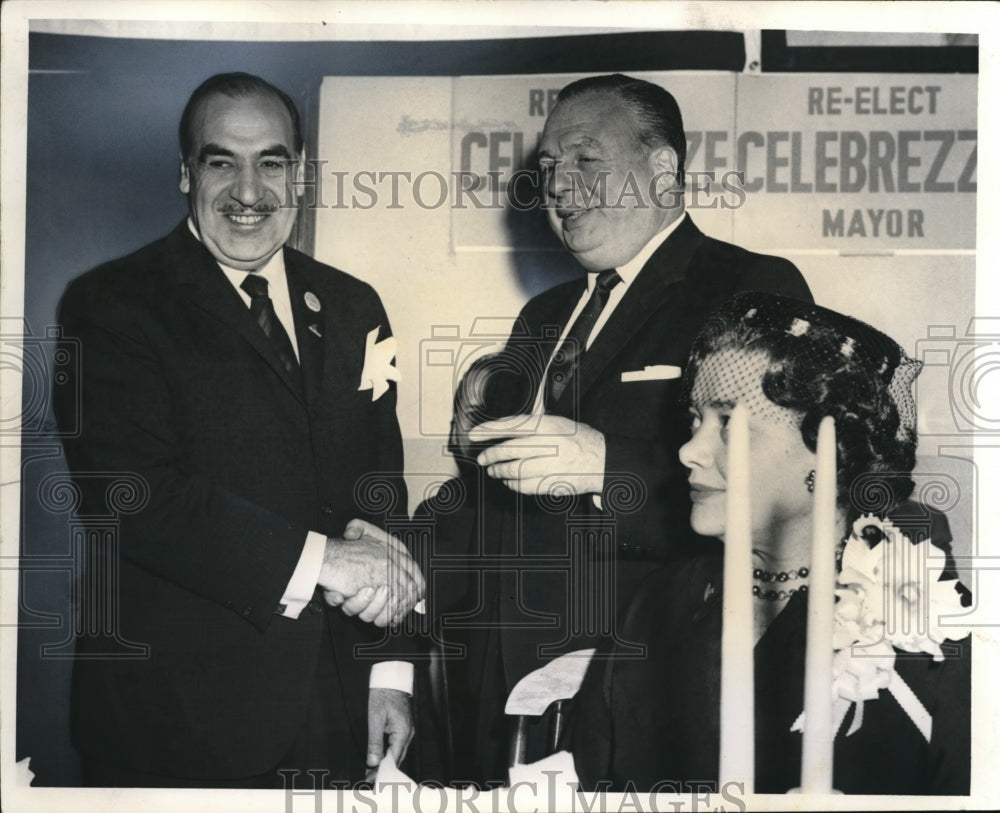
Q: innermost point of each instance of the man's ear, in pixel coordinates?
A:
(185, 183)
(665, 165)
(299, 175)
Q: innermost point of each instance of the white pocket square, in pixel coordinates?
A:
(654, 372)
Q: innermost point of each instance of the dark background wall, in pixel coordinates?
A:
(102, 172)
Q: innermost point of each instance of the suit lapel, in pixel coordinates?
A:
(202, 282)
(554, 325)
(645, 296)
(336, 357)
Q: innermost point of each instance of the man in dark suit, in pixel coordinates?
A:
(581, 494)
(246, 392)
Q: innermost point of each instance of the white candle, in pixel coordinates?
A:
(817, 736)
(736, 757)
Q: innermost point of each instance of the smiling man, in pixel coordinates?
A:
(226, 377)
(609, 186)
(241, 157)
(586, 497)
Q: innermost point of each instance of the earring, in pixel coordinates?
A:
(810, 480)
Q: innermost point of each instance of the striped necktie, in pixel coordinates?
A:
(262, 310)
(567, 358)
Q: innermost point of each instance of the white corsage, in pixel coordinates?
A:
(891, 593)
(888, 598)
(379, 369)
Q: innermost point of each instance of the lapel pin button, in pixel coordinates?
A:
(312, 302)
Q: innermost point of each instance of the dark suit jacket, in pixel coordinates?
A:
(232, 462)
(554, 575)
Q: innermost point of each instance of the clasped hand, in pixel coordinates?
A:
(552, 455)
(370, 573)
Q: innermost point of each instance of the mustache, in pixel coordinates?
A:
(256, 209)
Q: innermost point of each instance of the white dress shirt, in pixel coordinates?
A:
(628, 272)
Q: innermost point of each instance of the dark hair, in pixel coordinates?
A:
(494, 386)
(824, 363)
(235, 86)
(655, 111)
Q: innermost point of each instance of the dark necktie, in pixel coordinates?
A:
(262, 310)
(567, 358)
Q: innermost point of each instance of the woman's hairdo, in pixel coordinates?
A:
(819, 363)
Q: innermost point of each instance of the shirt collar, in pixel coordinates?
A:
(630, 270)
(272, 270)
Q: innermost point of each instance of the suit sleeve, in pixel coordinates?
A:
(406, 640)
(950, 755)
(180, 526)
(589, 734)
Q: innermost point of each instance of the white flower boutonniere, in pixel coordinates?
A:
(379, 369)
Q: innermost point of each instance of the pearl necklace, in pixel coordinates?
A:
(782, 576)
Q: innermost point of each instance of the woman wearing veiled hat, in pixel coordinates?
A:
(901, 676)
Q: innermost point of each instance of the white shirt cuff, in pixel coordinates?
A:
(392, 675)
(598, 504)
(305, 576)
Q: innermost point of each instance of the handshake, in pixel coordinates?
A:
(369, 573)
